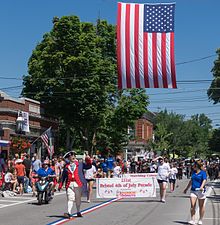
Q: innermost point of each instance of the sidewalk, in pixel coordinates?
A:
(212, 208)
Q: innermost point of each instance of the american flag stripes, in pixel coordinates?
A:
(145, 45)
(45, 137)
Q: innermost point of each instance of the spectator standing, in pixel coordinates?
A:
(2, 164)
(104, 167)
(180, 171)
(10, 163)
(117, 171)
(20, 172)
(133, 166)
(153, 167)
(110, 163)
(27, 163)
(36, 165)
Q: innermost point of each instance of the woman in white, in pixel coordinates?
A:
(90, 174)
(162, 176)
(172, 176)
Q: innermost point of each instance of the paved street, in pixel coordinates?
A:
(25, 211)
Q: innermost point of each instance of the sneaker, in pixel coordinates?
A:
(88, 201)
(79, 214)
(163, 200)
(67, 215)
(192, 222)
(200, 222)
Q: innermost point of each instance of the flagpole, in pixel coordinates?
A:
(40, 136)
(50, 144)
(35, 140)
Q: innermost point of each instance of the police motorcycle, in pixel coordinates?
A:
(44, 189)
(44, 184)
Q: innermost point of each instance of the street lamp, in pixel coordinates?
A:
(19, 123)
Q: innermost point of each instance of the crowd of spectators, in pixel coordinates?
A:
(17, 173)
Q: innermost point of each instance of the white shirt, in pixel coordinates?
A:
(153, 168)
(8, 177)
(117, 171)
(163, 171)
(89, 174)
(173, 172)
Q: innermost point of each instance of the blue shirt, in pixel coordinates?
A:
(43, 173)
(197, 179)
(104, 167)
(110, 163)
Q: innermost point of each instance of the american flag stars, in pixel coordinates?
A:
(159, 18)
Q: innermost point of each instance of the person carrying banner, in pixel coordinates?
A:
(73, 183)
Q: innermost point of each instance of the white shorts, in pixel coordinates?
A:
(198, 194)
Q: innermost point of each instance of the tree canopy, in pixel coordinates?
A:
(214, 89)
(174, 134)
(72, 71)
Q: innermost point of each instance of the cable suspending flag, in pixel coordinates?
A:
(145, 45)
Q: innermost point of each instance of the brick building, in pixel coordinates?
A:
(140, 136)
(37, 121)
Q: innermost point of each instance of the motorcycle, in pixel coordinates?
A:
(44, 190)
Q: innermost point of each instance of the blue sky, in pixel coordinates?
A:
(197, 35)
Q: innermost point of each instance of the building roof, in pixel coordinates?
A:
(150, 116)
(18, 100)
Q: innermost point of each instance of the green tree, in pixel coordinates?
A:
(214, 89)
(130, 106)
(200, 134)
(183, 137)
(172, 124)
(72, 71)
(214, 141)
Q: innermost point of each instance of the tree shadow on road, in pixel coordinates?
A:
(179, 196)
(214, 198)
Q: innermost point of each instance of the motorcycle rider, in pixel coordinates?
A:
(73, 183)
(46, 171)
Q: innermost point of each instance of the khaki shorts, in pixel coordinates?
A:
(198, 194)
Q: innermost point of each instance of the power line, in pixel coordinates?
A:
(11, 87)
(177, 64)
(196, 60)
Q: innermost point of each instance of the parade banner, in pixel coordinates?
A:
(133, 187)
(142, 175)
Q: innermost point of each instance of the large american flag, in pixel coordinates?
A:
(45, 137)
(145, 45)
